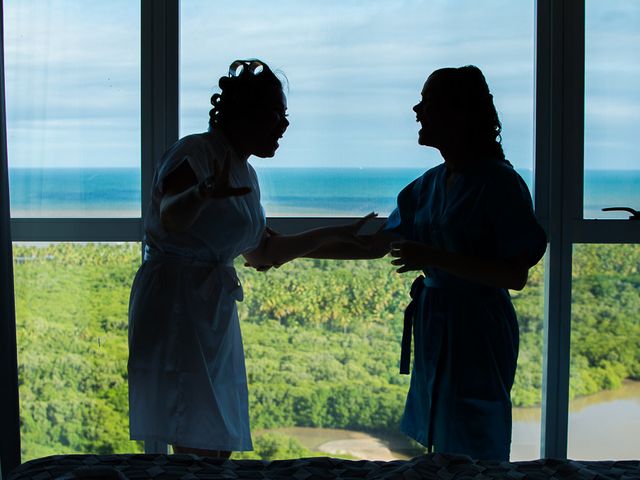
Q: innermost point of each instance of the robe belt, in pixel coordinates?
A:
(405, 353)
(418, 285)
(219, 273)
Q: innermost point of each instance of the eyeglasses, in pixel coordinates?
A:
(252, 66)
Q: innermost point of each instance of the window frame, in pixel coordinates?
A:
(558, 178)
(9, 401)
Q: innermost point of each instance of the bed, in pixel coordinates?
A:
(432, 466)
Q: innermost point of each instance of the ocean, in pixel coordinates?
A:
(115, 192)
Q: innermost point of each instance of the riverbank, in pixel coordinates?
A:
(601, 426)
(352, 444)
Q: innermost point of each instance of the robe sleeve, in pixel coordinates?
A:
(188, 149)
(401, 220)
(510, 212)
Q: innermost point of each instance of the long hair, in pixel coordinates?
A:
(242, 92)
(467, 89)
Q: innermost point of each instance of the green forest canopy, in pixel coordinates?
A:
(321, 340)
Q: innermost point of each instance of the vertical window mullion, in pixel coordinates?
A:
(159, 89)
(561, 46)
(9, 400)
(159, 97)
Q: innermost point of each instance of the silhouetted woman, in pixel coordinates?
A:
(187, 379)
(469, 225)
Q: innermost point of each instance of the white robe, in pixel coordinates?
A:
(187, 378)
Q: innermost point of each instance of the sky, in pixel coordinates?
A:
(354, 67)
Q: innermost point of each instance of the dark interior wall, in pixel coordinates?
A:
(9, 417)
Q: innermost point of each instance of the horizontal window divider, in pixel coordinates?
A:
(76, 229)
(297, 224)
(131, 229)
(606, 231)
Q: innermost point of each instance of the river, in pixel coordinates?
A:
(601, 426)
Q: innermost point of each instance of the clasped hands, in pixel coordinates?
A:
(409, 255)
(337, 235)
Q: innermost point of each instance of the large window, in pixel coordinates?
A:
(605, 366)
(612, 104)
(321, 341)
(526, 395)
(354, 73)
(71, 318)
(73, 133)
(73, 108)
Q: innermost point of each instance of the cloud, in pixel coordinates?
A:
(65, 33)
(355, 67)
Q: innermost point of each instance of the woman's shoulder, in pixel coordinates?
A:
(415, 187)
(434, 171)
(421, 179)
(501, 171)
(428, 176)
(187, 144)
(506, 182)
(192, 148)
(191, 139)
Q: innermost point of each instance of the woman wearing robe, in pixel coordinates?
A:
(468, 224)
(187, 379)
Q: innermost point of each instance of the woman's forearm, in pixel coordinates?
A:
(337, 241)
(280, 249)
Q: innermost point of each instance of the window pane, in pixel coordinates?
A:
(604, 413)
(526, 394)
(73, 107)
(322, 341)
(355, 70)
(71, 314)
(612, 107)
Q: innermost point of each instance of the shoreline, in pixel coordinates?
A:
(395, 446)
(353, 443)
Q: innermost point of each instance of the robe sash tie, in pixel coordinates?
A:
(219, 273)
(405, 353)
(419, 284)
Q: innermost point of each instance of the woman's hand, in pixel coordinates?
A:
(218, 184)
(412, 256)
(349, 233)
(262, 267)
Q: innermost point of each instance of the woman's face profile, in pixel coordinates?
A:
(267, 122)
(437, 120)
(427, 116)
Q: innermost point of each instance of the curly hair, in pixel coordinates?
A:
(240, 92)
(467, 89)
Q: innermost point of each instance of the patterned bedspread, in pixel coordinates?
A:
(433, 466)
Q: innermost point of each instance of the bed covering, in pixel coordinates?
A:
(432, 466)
